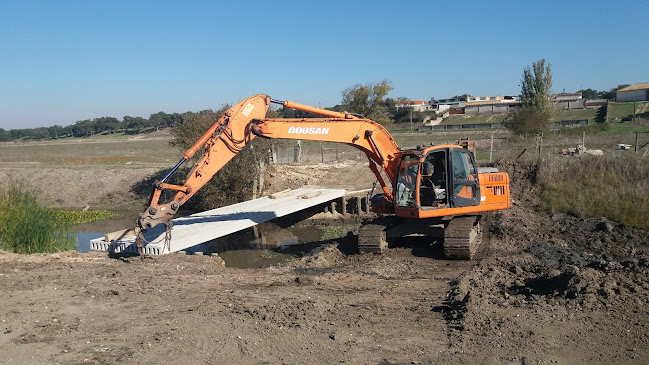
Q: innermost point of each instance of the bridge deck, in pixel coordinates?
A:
(205, 226)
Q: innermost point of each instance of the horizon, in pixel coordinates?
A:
(76, 60)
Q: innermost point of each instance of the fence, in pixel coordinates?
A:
(490, 147)
(451, 127)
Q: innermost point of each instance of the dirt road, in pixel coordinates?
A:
(544, 290)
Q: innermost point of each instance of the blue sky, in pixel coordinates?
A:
(64, 61)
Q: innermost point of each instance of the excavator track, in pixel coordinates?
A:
(372, 239)
(462, 237)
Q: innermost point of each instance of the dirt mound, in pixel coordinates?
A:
(555, 281)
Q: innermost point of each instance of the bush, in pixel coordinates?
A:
(529, 120)
(27, 226)
(234, 182)
(614, 187)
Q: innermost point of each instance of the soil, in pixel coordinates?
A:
(545, 289)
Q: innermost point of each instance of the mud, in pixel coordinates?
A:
(544, 290)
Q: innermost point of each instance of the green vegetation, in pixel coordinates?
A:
(27, 226)
(334, 232)
(623, 112)
(235, 181)
(614, 187)
(367, 100)
(475, 119)
(71, 217)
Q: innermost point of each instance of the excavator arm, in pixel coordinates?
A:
(246, 120)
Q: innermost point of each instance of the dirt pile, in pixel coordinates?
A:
(553, 288)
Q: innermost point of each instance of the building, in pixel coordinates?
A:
(567, 101)
(454, 102)
(416, 105)
(637, 92)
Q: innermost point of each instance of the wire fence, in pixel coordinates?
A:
(489, 149)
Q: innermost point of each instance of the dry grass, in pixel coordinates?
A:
(611, 186)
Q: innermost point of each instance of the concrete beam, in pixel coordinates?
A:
(205, 226)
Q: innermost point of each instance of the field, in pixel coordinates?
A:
(546, 287)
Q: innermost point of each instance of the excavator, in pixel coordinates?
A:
(437, 185)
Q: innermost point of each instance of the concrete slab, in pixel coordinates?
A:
(205, 226)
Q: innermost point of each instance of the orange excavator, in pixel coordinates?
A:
(437, 185)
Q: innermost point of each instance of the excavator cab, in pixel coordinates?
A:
(437, 178)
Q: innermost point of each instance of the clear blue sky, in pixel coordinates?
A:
(64, 61)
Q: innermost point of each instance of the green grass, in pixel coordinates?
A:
(474, 119)
(335, 232)
(27, 226)
(614, 187)
(624, 111)
(576, 114)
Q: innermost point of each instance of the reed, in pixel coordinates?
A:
(27, 226)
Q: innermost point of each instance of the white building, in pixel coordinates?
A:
(637, 92)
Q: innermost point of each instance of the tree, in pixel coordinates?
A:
(56, 131)
(367, 100)
(610, 95)
(589, 94)
(4, 135)
(535, 114)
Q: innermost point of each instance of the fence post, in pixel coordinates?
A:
(635, 146)
(491, 148)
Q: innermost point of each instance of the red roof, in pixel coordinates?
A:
(412, 102)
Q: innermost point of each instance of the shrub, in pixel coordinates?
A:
(234, 182)
(27, 226)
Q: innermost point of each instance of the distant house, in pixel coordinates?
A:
(637, 92)
(567, 101)
(416, 105)
(566, 96)
(455, 102)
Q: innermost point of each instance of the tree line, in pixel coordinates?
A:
(90, 127)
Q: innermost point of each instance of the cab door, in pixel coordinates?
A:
(466, 187)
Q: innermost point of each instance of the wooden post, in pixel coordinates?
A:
(491, 148)
(322, 152)
(635, 146)
(343, 208)
(358, 205)
(583, 139)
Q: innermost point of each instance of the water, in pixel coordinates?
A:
(93, 230)
(263, 245)
(83, 240)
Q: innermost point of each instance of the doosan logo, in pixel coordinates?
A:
(308, 130)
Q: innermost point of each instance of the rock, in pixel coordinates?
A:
(605, 226)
